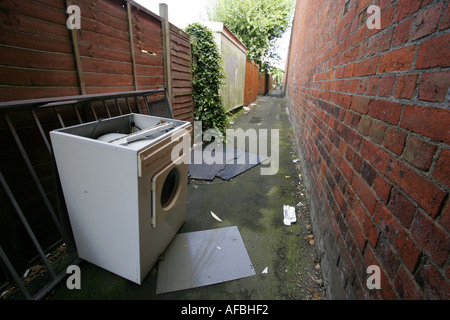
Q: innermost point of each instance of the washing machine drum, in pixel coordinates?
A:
(168, 190)
(170, 187)
(111, 137)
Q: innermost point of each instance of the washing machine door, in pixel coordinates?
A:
(167, 186)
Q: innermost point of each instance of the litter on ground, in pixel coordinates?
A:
(289, 215)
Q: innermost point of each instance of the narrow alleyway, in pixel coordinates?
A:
(252, 202)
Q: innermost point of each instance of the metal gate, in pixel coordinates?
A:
(25, 138)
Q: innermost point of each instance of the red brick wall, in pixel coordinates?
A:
(370, 112)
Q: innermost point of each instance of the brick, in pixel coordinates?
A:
(350, 70)
(425, 3)
(434, 286)
(361, 86)
(397, 60)
(368, 173)
(427, 21)
(362, 49)
(406, 8)
(445, 217)
(349, 241)
(428, 121)
(434, 53)
(343, 100)
(356, 231)
(434, 86)
(386, 86)
(445, 20)
(372, 86)
(395, 140)
(382, 188)
(387, 291)
(352, 85)
(433, 239)
(384, 3)
(397, 236)
(402, 208)
(387, 256)
(354, 122)
(350, 136)
(406, 85)
(380, 43)
(369, 259)
(377, 132)
(339, 198)
(402, 32)
(386, 111)
(375, 155)
(423, 191)
(361, 188)
(405, 287)
(371, 231)
(419, 153)
(349, 154)
(442, 171)
(349, 194)
(364, 126)
(362, 5)
(347, 170)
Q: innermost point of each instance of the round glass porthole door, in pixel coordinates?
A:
(170, 187)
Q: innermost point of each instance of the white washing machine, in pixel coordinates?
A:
(126, 198)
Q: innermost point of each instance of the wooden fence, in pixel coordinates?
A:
(251, 82)
(120, 46)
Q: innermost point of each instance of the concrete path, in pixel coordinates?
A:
(252, 202)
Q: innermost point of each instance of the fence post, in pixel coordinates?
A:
(77, 56)
(130, 34)
(164, 13)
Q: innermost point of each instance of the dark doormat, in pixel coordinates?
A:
(225, 163)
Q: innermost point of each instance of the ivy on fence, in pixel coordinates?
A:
(208, 75)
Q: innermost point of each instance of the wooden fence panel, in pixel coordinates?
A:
(251, 82)
(41, 58)
(180, 49)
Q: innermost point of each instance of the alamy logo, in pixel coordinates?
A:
(374, 280)
(256, 141)
(374, 20)
(74, 20)
(74, 280)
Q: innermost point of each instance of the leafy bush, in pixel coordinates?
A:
(207, 74)
(257, 23)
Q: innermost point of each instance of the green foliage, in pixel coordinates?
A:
(257, 23)
(277, 74)
(208, 75)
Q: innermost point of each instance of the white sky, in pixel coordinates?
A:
(184, 12)
(181, 12)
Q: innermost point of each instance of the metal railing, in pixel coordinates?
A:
(49, 114)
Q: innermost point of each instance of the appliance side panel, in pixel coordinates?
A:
(100, 188)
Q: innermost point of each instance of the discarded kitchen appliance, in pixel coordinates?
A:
(125, 195)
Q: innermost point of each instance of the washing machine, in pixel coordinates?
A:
(125, 188)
